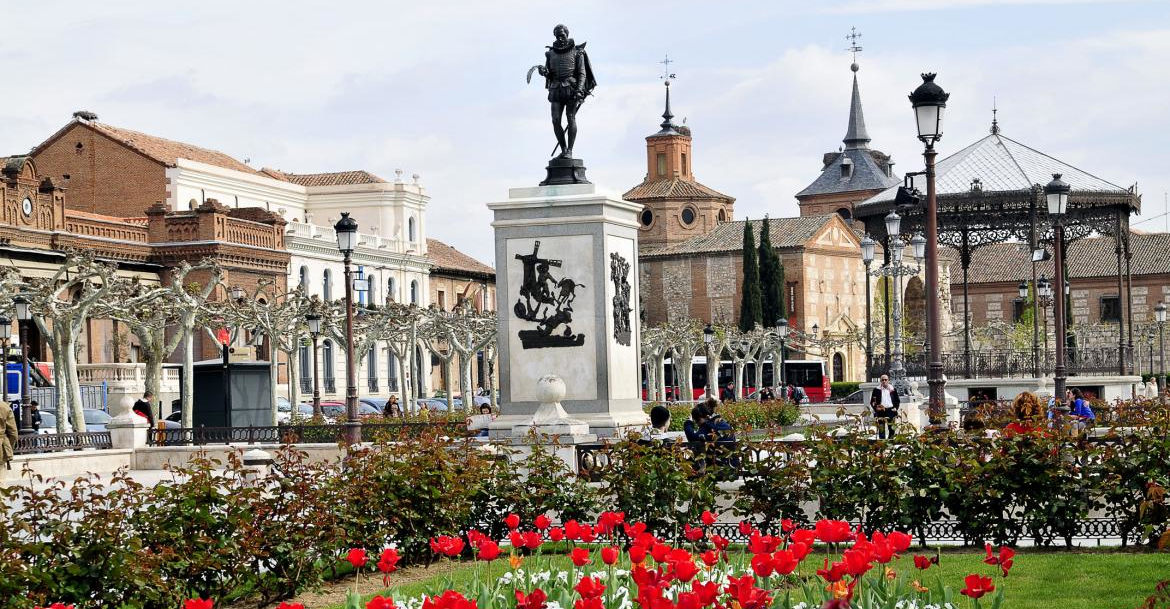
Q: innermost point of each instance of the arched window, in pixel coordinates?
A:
(410, 229)
(372, 290)
(392, 372)
(414, 291)
(327, 286)
(838, 368)
(372, 368)
(391, 290)
(327, 365)
(306, 368)
(304, 278)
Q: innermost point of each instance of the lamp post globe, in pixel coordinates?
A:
(347, 233)
(868, 246)
(893, 224)
(1160, 313)
(1043, 287)
(5, 329)
(1056, 195)
(918, 243)
(237, 293)
(314, 322)
(20, 303)
(929, 100)
(897, 245)
(1023, 288)
(708, 334)
(816, 328)
(782, 330)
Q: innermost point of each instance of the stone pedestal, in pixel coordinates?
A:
(127, 430)
(567, 280)
(564, 171)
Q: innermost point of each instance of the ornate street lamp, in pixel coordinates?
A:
(1056, 195)
(712, 366)
(313, 320)
(928, 101)
(1160, 317)
(782, 329)
(868, 245)
(347, 236)
(237, 293)
(1023, 288)
(893, 224)
(816, 328)
(24, 318)
(918, 245)
(5, 335)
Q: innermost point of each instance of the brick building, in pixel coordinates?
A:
(691, 259)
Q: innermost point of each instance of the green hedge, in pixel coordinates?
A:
(840, 390)
(743, 416)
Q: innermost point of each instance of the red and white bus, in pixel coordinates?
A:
(809, 375)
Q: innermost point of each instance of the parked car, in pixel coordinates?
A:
(434, 404)
(95, 420)
(336, 410)
(379, 403)
(857, 397)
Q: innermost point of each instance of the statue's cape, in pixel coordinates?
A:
(590, 82)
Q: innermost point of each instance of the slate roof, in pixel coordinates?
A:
(673, 189)
(167, 151)
(869, 173)
(1089, 257)
(336, 178)
(444, 257)
(1003, 164)
(728, 236)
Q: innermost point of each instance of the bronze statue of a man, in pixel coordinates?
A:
(569, 80)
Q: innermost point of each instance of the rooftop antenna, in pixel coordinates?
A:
(853, 47)
(994, 117)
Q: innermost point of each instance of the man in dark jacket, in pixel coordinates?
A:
(884, 402)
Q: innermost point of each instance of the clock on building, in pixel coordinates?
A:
(26, 206)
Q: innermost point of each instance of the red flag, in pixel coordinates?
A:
(223, 336)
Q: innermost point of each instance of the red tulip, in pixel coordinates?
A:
(609, 555)
(607, 522)
(448, 600)
(535, 600)
(763, 544)
(588, 603)
(762, 565)
(710, 558)
(388, 562)
(587, 535)
(556, 534)
(542, 522)
(488, 550)
(589, 587)
(786, 525)
(285, 605)
(1004, 560)
(720, 543)
(684, 570)
(447, 545)
(707, 592)
(378, 602)
(580, 557)
(516, 538)
(356, 557)
(743, 590)
(833, 573)
(637, 555)
(693, 534)
(799, 550)
(857, 561)
(745, 528)
(708, 518)
(634, 530)
(572, 530)
(921, 561)
(192, 603)
(833, 531)
(784, 562)
(836, 603)
(805, 536)
(901, 541)
(532, 540)
(64, 606)
(659, 551)
(977, 586)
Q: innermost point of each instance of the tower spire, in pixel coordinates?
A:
(994, 117)
(667, 124)
(855, 135)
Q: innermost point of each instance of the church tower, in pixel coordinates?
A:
(853, 173)
(676, 206)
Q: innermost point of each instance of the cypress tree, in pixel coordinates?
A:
(750, 308)
(771, 279)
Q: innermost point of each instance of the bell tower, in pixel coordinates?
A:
(676, 207)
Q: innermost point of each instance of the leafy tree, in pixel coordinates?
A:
(771, 279)
(751, 308)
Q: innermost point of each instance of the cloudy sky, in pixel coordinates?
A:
(437, 88)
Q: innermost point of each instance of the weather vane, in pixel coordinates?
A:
(667, 75)
(852, 37)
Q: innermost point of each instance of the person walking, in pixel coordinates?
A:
(884, 402)
(34, 408)
(8, 436)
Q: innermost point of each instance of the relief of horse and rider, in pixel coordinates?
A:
(548, 301)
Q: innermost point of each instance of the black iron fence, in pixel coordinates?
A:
(299, 434)
(999, 363)
(50, 443)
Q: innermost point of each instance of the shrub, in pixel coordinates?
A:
(743, 416)
(842, 389)
(661, 484)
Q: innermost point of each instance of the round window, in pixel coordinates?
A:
(647, 217)
(722, 216)
(688, 216)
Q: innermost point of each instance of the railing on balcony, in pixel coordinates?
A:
(999, 363)
(392, 384)
(306, 385)
(372, 383)
(329, 384)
